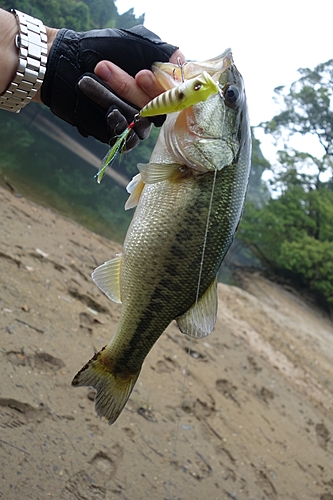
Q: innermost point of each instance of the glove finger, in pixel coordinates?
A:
(95, 91)
(93, 88)
(142, 127)
(131, 142)
(116, 122)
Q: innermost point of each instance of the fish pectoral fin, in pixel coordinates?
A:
(113, 389)
(199, 320)
(107, 278)
(152, 173)
(134, 188)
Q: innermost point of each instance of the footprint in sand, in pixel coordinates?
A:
(14, 413)
(39, 360)
(92, 482)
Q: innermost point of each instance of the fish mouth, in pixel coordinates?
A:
(174, 74)
(188, 141)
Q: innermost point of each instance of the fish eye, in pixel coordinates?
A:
(231, 94)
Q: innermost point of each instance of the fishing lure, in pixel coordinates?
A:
(185, 95)
(112, 153)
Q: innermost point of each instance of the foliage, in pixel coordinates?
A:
(258, 191)
(291, 216)
(307, 107)
(311, 261)
(101, 11)
(79, 15)
(292, 233)
(72, 14)
(127, 19)
(104, 14)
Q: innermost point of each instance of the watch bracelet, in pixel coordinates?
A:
(32, 44)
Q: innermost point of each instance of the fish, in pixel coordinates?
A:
(189, 201)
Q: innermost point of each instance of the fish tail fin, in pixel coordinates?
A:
(113, 389)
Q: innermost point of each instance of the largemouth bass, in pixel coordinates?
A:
(189, 200)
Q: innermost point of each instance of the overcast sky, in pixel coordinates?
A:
(270, 40)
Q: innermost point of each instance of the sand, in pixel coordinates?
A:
(257, 417)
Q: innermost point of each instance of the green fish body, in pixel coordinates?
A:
(189, 200)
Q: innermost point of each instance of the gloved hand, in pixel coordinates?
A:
(118, 114)
(76, 99)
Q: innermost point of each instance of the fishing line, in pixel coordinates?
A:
(178, 418)
(191, 338)
(196, 301)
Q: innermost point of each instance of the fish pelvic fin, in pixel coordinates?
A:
(134, 188)
(113, 389)
(200, 319)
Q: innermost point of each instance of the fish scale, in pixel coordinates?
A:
(189, 200)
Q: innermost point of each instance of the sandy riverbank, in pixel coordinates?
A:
(257, 419)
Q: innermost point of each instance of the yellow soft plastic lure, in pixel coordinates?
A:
(183, 96)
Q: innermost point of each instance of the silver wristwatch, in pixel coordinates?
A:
(32, 44)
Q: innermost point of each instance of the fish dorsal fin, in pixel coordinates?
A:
(152, 173)
(199, 320)
(107, 278)
(134, 188)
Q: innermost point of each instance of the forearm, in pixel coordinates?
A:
(9, 53)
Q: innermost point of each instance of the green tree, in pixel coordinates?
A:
(258, 192)
(307, 106)
(73, 14)
(292, 233)
(101, 12)
(79, 15)
(128, 20)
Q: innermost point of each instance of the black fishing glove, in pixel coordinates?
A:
(76, 54)
(107, 113)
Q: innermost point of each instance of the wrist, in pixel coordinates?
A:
(51, 34)
(23, 51)
(9, 53)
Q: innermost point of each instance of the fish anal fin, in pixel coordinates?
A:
(113, 389)
(107, 278)
(152, 173)
(199, 320)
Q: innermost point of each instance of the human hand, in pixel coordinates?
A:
(127, 91)
(138, 90)
(76, 54)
